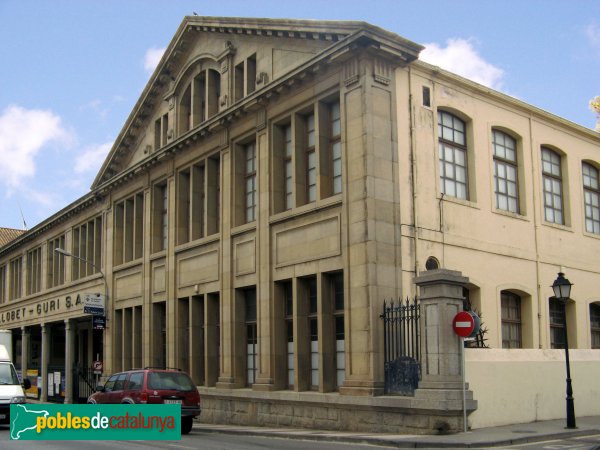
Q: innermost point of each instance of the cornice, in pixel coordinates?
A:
(512, 102)
(64, 214)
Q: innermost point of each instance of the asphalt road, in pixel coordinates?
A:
(195, 440)
(575, 443)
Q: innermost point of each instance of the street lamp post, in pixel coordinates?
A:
(562, 291)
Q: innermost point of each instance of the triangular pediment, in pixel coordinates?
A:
(211, 65)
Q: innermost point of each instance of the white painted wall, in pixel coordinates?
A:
(525, 385)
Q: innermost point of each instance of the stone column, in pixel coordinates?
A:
(69, 358)
(441, 297)
(44, 361)
(24, 351)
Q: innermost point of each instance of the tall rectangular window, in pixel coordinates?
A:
(288, 169)
(160, 217)
(553, 190)
(185, 111)
(591, 195)
(129, 226)
(3, 286)
(161, 127)
(288, 298)
(250, 181)
(337, 287)
(313, 323)
(335, 146)
(311, 160)
(34, 270)
(307, 155)
(505, 171)
(164, 215)
(56, 262)
(87, 239)
(511, 320)
(16, 274)
(251, 336)
(595, 324)
(198, 203)
(251, 74)
(452, 148)
(557, 323)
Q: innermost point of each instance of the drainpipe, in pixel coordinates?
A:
(535, 237)
(413, 166)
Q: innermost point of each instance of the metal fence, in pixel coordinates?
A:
(402, 346)
(84, 383)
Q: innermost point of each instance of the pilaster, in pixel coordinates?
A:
(69, 358)
(44, 361)
(441, 385)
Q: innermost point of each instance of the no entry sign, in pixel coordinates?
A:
(463, 324)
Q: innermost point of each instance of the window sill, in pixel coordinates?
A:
(558, 226)
(458, 201)
(591, 235)
(196, 243)
(127, 265)
(512, 215)
(328, 202)
(241, 229)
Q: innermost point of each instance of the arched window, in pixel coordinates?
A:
(553, 186)
(452, 147)
(199, 99)
(595, 324)
(511, 320)
(591, 196)
(505, 171)
(557, 323)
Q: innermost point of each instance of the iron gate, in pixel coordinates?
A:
(83, 383)
(401, 343)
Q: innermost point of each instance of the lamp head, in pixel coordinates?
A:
(562, 287)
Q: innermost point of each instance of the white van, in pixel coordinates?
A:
(11, 391)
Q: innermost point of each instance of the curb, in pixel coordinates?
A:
(410, 442)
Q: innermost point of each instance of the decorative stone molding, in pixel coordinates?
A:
(224, 138)
(382, 72)
(351, 74)
(171, 102)
(262, 78)
(261, 119)
(223, 101)
(224, 66)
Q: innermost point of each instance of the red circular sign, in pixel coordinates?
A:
(463, 324)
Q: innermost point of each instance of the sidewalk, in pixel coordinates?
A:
(483, 437)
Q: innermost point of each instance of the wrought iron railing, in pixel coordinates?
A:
(402, 346)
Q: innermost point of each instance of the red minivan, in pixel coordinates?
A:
(150, 385)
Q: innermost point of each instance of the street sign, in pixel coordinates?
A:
(94, 304)
(463, 324)
(98, 322)
(97, 366)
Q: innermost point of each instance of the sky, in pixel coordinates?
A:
(72, 70)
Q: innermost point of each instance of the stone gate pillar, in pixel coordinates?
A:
(441, 297)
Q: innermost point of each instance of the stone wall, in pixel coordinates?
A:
(385, 414)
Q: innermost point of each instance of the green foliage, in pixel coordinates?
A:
(595, 106)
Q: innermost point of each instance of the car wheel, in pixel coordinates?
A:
(186, 424)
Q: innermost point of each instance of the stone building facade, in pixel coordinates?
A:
(275, 182)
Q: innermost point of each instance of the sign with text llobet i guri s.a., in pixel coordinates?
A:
(94, 304)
